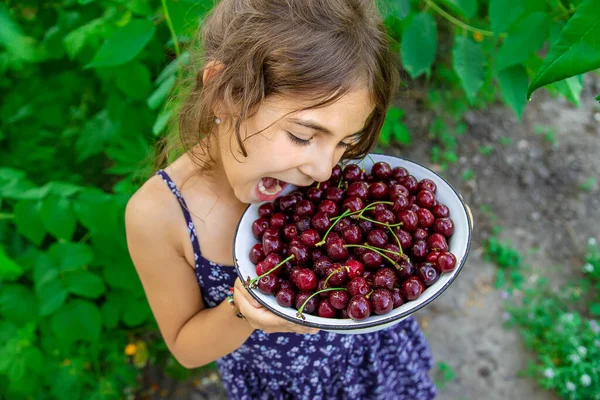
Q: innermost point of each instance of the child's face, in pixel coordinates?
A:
(289, 152)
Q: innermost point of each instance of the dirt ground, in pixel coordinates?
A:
(533, 186)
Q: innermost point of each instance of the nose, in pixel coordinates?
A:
(318, 165)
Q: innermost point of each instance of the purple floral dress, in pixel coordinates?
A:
(389, 364)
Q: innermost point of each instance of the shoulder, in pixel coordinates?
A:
(153, 211)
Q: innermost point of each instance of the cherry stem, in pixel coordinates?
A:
(399, 245)
(363, 161)
(369, 294)
(322, 242)
(318, 185)
(333, 273)
(299, 313)
(363, 210)
(376, 250)
(379, 223)
(252, 283)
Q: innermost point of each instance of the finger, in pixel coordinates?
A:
(273, 323)
(241, 289)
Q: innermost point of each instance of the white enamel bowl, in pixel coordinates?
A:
(459, 245)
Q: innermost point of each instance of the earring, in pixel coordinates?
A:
(218, 120)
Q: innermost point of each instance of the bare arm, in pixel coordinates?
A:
(194, 334)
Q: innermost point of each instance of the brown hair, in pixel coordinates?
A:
(314, 50)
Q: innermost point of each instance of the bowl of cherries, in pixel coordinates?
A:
(381, 239)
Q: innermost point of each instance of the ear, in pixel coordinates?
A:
(212, 68)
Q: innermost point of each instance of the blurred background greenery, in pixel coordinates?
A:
(85, 88)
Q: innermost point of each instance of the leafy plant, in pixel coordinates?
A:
(564, 339)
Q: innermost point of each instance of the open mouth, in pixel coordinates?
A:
(270, 187)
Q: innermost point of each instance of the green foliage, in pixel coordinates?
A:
(576, 51)
(83, 86)
(546, 132)
(560, 328)
(497, 53)
(564, 341)
(589, 184)
(508, 259)
(419, 44)
(591, 270)
(394, 129)
(468, 175)
(445, 374)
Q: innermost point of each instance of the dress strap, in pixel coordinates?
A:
(186, 212)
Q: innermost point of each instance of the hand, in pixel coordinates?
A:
(260, 318)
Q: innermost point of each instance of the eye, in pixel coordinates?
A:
(345, 145)
(297, 140)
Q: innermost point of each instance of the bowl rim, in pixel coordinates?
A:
(364, 325)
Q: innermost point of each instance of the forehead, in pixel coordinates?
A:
(346, 115)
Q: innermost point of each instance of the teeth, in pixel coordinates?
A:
(269, 192)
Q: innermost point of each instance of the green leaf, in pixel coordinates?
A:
(110, 312)
(19, 46)
(419, 44)
(589, 184)
(77, 320)
(467, 8)
(173, 66)
(469, 64)
(523, 39)
(503, 13)
(121, 274)
(595, 309)
(85, 284)
(130, 155)
(63, 189)
(9, 270)
(18, 304)
(396, 8)
(468, 174)
(140, 7)
(94, 136)
(134, 80)
(95, 210)
(35, 193)
(124, 44)
(75, 40)
(71, 256)
(51, 294)
(513, 82)
(162, 120)
(136, 312)
(402, 134)
(499, 279)
(576, 51)
(570, 88)
(28, 220)
(160, 94)
(57, 217)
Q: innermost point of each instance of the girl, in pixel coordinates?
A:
(290, 88)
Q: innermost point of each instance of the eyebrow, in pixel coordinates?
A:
(318, 127)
